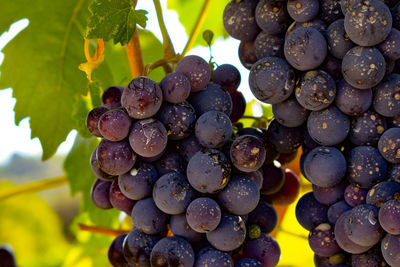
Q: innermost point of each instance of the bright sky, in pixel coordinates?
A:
(16, 139)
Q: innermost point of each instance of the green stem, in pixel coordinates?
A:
(33, 187)
(197, 26)
(167, 44)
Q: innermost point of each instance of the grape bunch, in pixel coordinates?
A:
(330, 70)
(198, 190)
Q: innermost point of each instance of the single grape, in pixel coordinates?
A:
(92, 120)
(390, 48)
(247, 153)
(338, 40)
(264, 216)
(172, 251)
(283, 112)
(175, 87)
(265, 249)
(111, 97)
(213, 97)
(189, 146)
(309, 212)
(247, 54)
(213, 129)
(119, 200)
(148, 138)
(330, 11)
(372, 257)
(337, 209)
(284, 139)
(147, 218)
(303, 10)
(367, 128)
(203, 215)
(267, 45)
(387, 96)
(316, 23)
(114, 125)
(389, 145)
(389, 216)
(138, 246)
(238, 106)
(390, 247)
(142, 98)
(209, 256)
(95, 165)
(196, 70)
(170, 162)
(116, 252)
(227, 76)
(272, 16)
(330, 195)
(322, 240)
(289, 191)
(274, 178)
(180, 227)
(100, 194)
(354, 195)
(382, 192)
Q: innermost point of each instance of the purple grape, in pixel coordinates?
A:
(111, 97)
(100, 194)
(247, 153)
(213, 129)
(354, 195)
(284, 139)
(264, 216)
(387, 96)
(272, 16)
(267, 45)
(119, 200)
(209, 256)
(389, 145)
(196, 70)
(229, 235)
(203, 215)
(114, 125)
(92, 120)
(390, 47)
(227, 76)
(175, 87)
(169, 162)
(180, 227)
(331, 194)
(178, 119)
(142, 98)
(147, 218)
(116, 252)
(148, 138)
(274, 178)
(257, 176)
(372, 257)
(338, 40)
(247, 55)
(95, 165)
(238, 106)
(382, 192)
(367, 128)
(137, 248)
(352, 101)
(309, 212)
(303, 10)
(172, 193)
(115, 158)
(316, 23)
(138, 182)
(248, 262)
(390, 247)
(322, 240)
(389, 216)
(337, 209)
(264, 249)
(240, 196)
(330, 11)
(283, 112)
(190, 146)
(172, 251)
(394, 174)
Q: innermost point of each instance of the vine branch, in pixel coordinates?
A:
(33, 187)
(197, 26)
(101, 230)
(167, 43)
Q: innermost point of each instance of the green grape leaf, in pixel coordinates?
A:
(81, 179)
(189, 10)
(114, 19)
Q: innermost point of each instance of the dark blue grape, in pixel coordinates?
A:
(389, 145)
(387, 96)
(196, 70)
(190, 146)
(342, 238)
(303, 10)
(138, 182)
(119, 200)
(382, 192)
(240, 196)
(213, 129)
(114, 125)
(111, 97)
(267, 45)
(239, 20)
(337, 209)
(265, 249)
(316, 91)
(213, 97)
(257, 176)
(352, 101)
(284, 111)
(100, 194)
(148, 138)
(115, 158)
(271, 80)
(248, 262)
(142, 98)
(208, 171)
(368, 23)
(367, 128)
(330, 11)
(331, 194)
(284, 139)
(227, 76)
(390, 247)
(172, 193)
(305, 48)
(324, 166)
(329, 126)
(180, 227)
(147, 218)
(115, 252)
(363, 67)
(203, 215)
(247, 153)
(362, 225)
(178, 119)
(274, 178)
(372, 257)
(338, 40)
(247, 55)
(238, 106)
(264, 216)
(365, 166)
(92, 120)
(390, 48)
(137, 248)
(322, 240)
(354, 195)
(172, 251)
(95, 165)
(272, 16)
(175, 87)
(171, 161)
(389, 216)
(309, 212)
(394, 173)
(209, 256)
(229, 234)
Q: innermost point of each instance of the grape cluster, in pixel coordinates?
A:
(198, 190)
(330, 70)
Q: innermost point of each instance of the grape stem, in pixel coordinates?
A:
(33, 187)
(197, 26)
(167, 43)
(134, 53)
(101, 230)
(160, 63)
